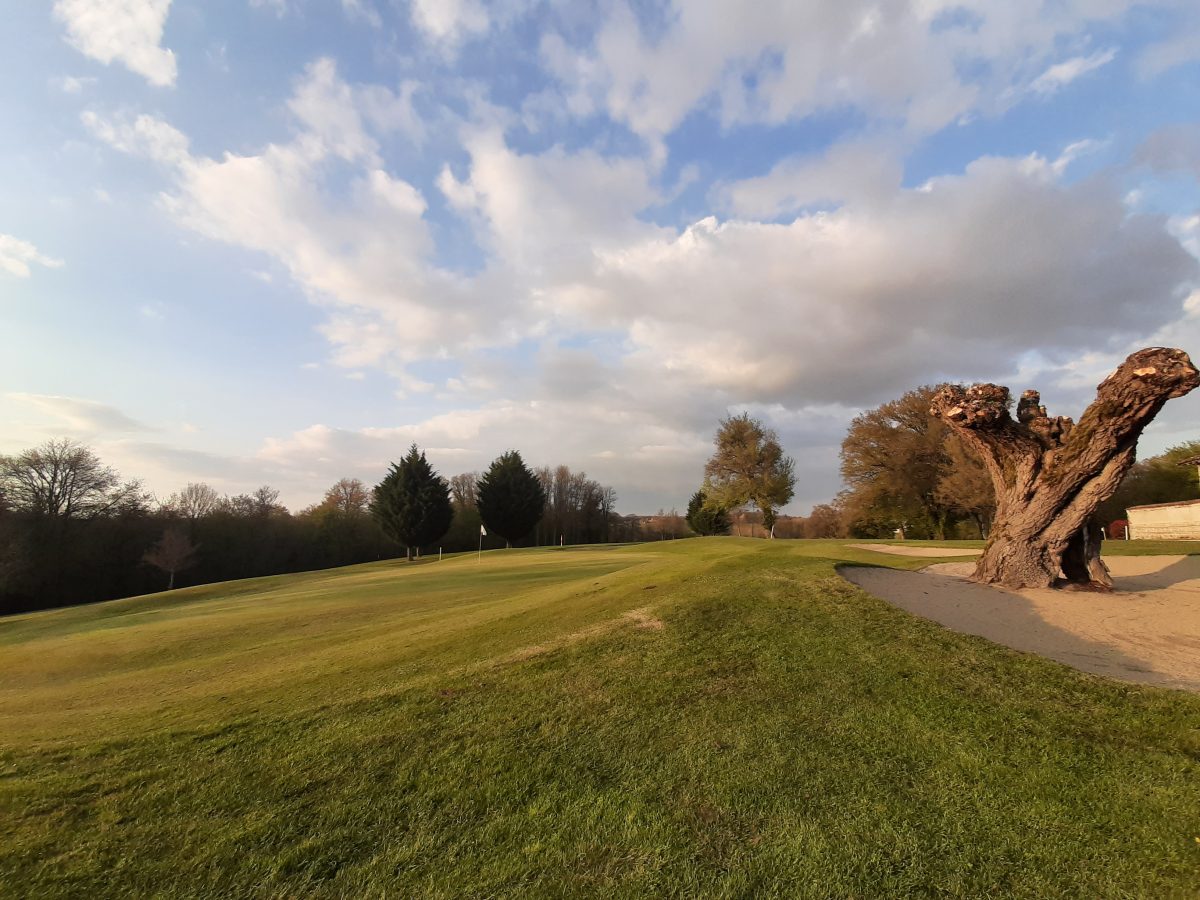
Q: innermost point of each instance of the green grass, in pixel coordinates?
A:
(722, 717)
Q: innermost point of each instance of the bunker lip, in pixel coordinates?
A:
(932, 552)
(1147, 632)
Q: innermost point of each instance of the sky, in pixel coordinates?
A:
(277, 241)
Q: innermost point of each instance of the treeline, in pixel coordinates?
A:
(72, 531)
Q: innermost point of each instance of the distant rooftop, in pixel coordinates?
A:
(1172, 503)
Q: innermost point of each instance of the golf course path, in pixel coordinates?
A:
(1147, 631)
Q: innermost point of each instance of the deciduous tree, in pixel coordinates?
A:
(173, 553)
(749, 467)
(893, 458)
(194, 502)
(64, 480)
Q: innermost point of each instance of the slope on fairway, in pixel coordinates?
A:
(707, 717)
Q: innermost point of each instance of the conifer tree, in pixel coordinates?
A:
(412, 503)
(511, 499)
(706, 520)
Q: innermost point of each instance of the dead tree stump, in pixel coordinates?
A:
(1050, 474)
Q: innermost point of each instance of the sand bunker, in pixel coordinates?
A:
(1146, 632)
(900, 550)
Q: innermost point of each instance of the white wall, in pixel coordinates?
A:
(1176, 521)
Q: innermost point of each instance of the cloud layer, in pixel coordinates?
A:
(589, 232)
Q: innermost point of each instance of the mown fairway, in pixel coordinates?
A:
(719, 717)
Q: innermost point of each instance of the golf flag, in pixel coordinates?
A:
(482, 531)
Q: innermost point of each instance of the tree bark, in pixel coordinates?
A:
(1050, 474)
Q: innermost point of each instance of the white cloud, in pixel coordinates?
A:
(855, 170)
(778, 60)
(69, 84)
(886, 286)
(125, 31)
(552, 209)
(279, 7)
(449, 22)
(366, 252)
(142, 136)
(1061, 74)
(325, 105)
(962, 277)
(16, 256)
(361, 10)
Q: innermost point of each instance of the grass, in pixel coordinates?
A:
(722, 717)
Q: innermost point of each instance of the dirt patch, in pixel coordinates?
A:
(641, 618)
(1147, 631)
(638, 618)
(899, 550)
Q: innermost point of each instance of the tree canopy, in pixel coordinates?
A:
(64, 480)
(904, 468)
(510, 498)
(412, 503)
(748, 467)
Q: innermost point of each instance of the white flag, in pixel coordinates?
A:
(482, 531)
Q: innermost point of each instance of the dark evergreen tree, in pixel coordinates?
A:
(511, 499)
(706, 520)
(412, 503)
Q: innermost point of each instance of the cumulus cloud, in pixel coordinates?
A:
(16, 256)
(126, 31)
(367, 253)
(448, 22)
(142, 136)
(827, 284)
(778, 60)
(854, 170)
(961, 275)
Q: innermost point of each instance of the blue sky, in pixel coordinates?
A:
(276, 241)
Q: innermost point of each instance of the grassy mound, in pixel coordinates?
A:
(720, 717)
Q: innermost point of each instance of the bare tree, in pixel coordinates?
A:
(608, 506)
(464, 490)
(194, 502)
(173, 553)
(349, 496)
(1050, 474)
(65, 480)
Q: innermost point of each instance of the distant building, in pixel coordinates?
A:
(1179, 521)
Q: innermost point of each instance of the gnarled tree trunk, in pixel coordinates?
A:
(1050, 474)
